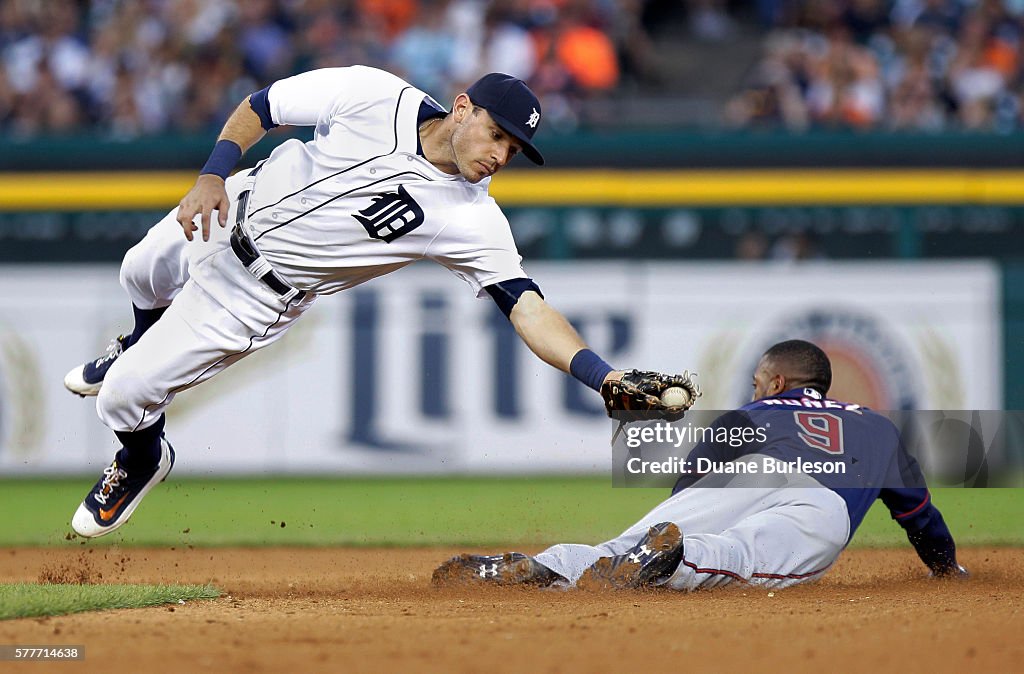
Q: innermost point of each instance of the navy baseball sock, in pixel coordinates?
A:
(141, 449)
(144, 320)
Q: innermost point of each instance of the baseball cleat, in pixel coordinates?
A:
(87, 379)
(511, 568)
(115, 497)
(651, 561)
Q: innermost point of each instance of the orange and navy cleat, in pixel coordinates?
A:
(118, 493)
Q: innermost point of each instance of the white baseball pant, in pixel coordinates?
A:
(220, 313)
(771, 537)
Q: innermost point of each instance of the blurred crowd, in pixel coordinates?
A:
(920, 65)
(131, 67)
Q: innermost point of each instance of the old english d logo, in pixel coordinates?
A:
(390, 216)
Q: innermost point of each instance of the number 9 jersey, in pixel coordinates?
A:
(851, 450)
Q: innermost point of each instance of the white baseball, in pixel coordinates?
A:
(675, 396)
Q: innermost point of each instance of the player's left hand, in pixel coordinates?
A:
(635, 395)
(206, 196)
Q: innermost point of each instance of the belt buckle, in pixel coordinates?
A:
(245, 244)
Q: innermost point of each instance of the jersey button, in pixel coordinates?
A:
(373, 171)
(275, 215)
(303, 201)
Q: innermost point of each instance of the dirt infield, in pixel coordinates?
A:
(355, 610)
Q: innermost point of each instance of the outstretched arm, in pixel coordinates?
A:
(629, 395)
(243, 129)
(549, 335)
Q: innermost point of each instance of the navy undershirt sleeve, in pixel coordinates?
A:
(507, 293)
(260, 103)
(934, 543)
(926, 530)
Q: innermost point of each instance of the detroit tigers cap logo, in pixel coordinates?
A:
(512, 105)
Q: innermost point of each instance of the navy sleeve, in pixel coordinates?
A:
(926, 530)
(907, 497)
(507, 293)
(260, 103)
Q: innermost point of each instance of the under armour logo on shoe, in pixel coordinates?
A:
(635, 557)
(485, 572)
(534, 118)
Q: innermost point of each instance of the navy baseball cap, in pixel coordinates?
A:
(512, 105)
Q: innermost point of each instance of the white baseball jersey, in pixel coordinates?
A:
(354, 203)
(357, 201)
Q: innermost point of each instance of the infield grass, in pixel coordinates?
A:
(464, 512)
(29, 600)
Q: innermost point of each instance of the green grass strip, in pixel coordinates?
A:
(450, 511)
(29, 600)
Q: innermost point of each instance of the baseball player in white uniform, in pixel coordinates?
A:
(389, 178)
(743, 522)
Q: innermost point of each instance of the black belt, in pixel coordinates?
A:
(245, 251)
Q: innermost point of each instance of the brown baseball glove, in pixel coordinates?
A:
(638, 395)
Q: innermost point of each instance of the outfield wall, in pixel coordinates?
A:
(598, 213)
(925, 335)
(666, 148)
(411, 373)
